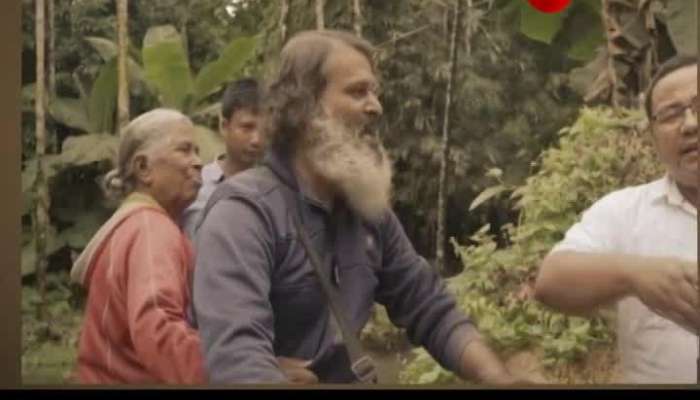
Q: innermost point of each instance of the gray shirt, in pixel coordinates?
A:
(257, 297)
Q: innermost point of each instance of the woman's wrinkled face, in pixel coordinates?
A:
(173, 174)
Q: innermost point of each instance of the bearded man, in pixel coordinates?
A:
(256, 295)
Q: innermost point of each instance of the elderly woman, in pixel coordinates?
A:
(137, 269)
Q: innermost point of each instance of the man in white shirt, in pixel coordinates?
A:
(636, 248)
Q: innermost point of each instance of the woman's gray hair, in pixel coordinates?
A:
(137, 137)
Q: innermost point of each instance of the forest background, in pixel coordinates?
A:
(504, 124)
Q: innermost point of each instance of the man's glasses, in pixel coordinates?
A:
(674, 115)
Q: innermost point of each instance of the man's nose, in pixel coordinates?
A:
(373, 107)
(256, 139)
(690, 122)
(197, 162)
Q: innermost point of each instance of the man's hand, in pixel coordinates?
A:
(297, 371)
(669, 287)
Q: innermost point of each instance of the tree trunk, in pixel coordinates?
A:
(445, 148)
(284, 15)
(122, 62)
(357, 17)
(51, 56)
(41, 220)
(631, 36)
(320, 23)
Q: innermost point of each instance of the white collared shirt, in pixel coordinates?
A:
(649, 220)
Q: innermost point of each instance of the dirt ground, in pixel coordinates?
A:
(600, 367)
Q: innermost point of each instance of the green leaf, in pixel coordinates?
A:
(105, 47)
(28, 97)
(166, 66)
(85, 226)
(681, 21)
(225, 68)
(210, 143)
(53, 244)
(86, 149)
(539, 26)
(103, 99)
(109, 50)
(584, 30)
(486, 195)
(29, 179)
(208, 111)
(70, 112)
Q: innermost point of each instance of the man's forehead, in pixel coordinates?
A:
(677, 85)
(348, 63)
(247, 113)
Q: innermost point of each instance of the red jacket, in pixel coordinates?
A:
(138, 271)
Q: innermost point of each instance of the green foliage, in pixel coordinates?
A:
(681, 19)
(210, 143)
(504, 94)
(166, 65)
(167, 68)
(381, 334)
(223, 69)
(578, 28)
(49, 346)
(602, 151)
(423, 370)
(70, 112)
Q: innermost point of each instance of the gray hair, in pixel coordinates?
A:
(137, 137)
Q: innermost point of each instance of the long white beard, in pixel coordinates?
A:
(355, 163)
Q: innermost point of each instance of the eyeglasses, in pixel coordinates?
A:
(674, 115)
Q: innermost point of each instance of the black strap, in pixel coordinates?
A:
(361, 364)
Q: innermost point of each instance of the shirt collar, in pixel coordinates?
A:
(279, 161)
(667, 190)
(212, 172)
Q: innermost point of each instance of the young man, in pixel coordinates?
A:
(239, 125)
(256, 296)
(637, 247)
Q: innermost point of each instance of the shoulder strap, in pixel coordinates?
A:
(362, 365)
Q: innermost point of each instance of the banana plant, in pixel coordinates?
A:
(168, 73)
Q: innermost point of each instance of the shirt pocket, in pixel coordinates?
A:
(358, 284)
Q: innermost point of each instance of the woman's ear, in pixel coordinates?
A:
(141, 169)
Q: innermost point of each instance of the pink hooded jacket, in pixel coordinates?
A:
(137, 270)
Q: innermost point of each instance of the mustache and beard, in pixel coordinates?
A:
(354, 161)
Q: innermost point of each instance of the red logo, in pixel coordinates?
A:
(549, 6)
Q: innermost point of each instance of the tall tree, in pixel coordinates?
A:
(445, 145)
(41, 219)
(320, 18)
(51, 54)
(122, 64)
(51, 62)
(357, 17)
(284, 16)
